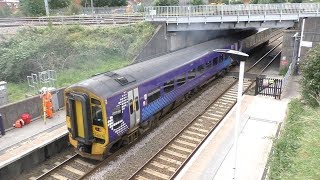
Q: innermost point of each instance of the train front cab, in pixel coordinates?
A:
(86, 122)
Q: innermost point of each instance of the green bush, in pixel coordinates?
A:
(103, 3)
(5, 11)
(167, 2)
(61, 48)
(311, 77)
(32, 7)
(197, 2)
(57, 4)
(73, 8)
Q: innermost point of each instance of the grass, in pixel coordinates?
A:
(18, 91)
(297, 151)
(74, 52)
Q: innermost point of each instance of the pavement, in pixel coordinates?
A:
(261, 119)
(19, 142)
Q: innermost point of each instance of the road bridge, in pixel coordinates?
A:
(210, 17)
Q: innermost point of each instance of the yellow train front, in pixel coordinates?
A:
(85, 117)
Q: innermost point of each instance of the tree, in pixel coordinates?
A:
(167, 2)
(5, 11)
(197, 2)
(103, 3)
(56, 4)
(311, 77)
(32, 7)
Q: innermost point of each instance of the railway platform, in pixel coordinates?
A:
(261, 119)
(26, 146)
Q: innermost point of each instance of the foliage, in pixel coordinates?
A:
(296, 153)
(73, 8)
(269, 1)
(167, 3)
(103, 3)
(57, 4)
(197, 2)
(311, 77)
(62, 48)
(5, 11)
(32, 7)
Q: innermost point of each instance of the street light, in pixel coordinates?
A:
(242, 57)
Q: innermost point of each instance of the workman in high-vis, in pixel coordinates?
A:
(47, 102)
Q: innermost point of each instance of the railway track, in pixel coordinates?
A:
(73, 168)
(172, 157)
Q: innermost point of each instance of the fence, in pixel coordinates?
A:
(269, 86)
(239, 9)
(98, 10)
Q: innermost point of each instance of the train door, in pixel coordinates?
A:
(78, 104)
(134, 107)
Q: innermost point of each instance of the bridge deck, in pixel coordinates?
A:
(232, 13)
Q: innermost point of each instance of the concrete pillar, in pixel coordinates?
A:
(289, 49)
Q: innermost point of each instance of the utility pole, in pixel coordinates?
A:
(300, 44)
(92, 7)
(46, 5)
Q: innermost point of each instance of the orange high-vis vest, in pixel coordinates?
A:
(47, 101)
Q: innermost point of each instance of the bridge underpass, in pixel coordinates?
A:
(208, 17)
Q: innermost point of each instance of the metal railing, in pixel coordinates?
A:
(300, 9)
(80, 19)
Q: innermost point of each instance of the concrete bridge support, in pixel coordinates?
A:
(291, 41)
(163, 41)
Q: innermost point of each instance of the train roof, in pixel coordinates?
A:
(107, 84)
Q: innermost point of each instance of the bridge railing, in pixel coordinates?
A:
(230, 10)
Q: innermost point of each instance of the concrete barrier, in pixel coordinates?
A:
(33, 106)
(32, 159)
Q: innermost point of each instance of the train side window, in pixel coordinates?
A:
(215, 61)
(168, 86)
(136, 99)
(131, 106)
(181, 79)
(117, 114)
(200, 69)
(208, 65)
(96, 115)
(192, 73)
(219, 59)
(153, 95)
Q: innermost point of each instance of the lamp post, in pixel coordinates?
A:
(242, 57)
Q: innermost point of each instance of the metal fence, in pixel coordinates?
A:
(98, 10)
(237, 10)
(42, 79)
(269, 87)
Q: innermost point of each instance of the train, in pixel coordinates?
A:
(115, 108)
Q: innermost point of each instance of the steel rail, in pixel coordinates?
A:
(47, 174)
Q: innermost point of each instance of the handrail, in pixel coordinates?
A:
(282, 9)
